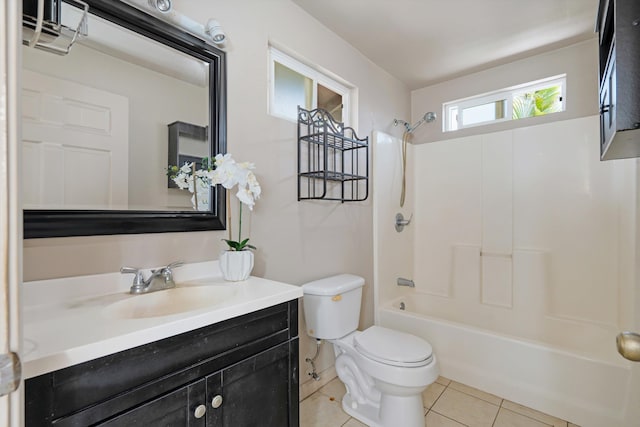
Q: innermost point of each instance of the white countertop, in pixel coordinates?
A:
(73, 320)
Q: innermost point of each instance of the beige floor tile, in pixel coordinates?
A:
(507, 418)
(573, 425)
(353, 423)
(444, 381)
(434, 419)
(465, 409)
(319, 411)
(532, 413)
(431, 394)
(475, 392)
(334, 388)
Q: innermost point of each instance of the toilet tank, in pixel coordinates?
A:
(332, 306)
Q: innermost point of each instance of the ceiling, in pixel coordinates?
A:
(423, 42)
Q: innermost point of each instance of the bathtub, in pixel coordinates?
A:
(583, 390)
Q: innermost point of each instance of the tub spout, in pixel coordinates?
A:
(406, 282)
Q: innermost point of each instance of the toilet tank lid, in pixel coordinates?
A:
(333, 285)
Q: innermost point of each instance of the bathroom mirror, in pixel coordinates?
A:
(96, 126)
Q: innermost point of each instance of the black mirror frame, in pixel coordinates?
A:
(66, 223)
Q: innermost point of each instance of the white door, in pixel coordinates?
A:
(75, 145)
(10, 218)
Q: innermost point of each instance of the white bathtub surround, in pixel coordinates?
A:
(72, 320)
(524, 250)
(388, 244)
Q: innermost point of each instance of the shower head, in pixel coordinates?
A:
(427, 118)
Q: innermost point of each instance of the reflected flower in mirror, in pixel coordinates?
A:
(186, 175)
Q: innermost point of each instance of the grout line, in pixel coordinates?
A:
(479, 398)
(437, 398)
(496, 417)
(531, 418)
(449, 418)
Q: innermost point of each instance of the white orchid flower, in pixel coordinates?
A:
(187, 168)
(245, 196)
(190, 183)
(230, 173)
(254, 187)
(225, 172)
(201, 173)
(181, 181)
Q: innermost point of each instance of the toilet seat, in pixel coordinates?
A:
(393, 347)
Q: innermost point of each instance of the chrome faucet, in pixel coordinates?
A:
(160, 279)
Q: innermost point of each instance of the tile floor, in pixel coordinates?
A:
(446, 404)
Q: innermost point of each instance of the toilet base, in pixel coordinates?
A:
(407, 411)
(365, 413)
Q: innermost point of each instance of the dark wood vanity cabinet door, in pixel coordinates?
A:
(177, 408)
(257, 392)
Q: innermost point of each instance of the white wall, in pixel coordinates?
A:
(297, 241)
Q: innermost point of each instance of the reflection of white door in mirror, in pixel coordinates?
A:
(75, 145)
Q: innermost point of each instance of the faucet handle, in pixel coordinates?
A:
(138, 280)
(167, 272)
(174, 265)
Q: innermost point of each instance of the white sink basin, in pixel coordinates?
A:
(170, 301)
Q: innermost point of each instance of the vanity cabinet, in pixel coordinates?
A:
(618, 26)
(240, 372)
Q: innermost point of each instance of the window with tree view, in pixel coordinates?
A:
(527, 100)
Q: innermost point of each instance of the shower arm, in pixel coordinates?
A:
(427, 118)
(406, 125)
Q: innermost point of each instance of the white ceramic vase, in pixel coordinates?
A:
(236, 265)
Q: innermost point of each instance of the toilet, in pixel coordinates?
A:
(384, 371)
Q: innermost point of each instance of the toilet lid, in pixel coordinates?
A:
(393, 347)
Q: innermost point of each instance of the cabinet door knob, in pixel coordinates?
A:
(200, 411)
(216, 401)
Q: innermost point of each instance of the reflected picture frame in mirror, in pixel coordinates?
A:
(47, 222)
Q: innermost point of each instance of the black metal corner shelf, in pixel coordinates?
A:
(333, 163)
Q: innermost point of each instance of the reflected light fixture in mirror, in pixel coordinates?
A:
(163, 6)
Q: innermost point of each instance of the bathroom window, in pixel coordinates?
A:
(531, 99)
(293, 83)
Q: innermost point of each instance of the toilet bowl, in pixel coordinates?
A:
(384, 371)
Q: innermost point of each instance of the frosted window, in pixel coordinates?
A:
(291, 89)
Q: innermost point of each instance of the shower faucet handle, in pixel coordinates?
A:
(401, 222)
